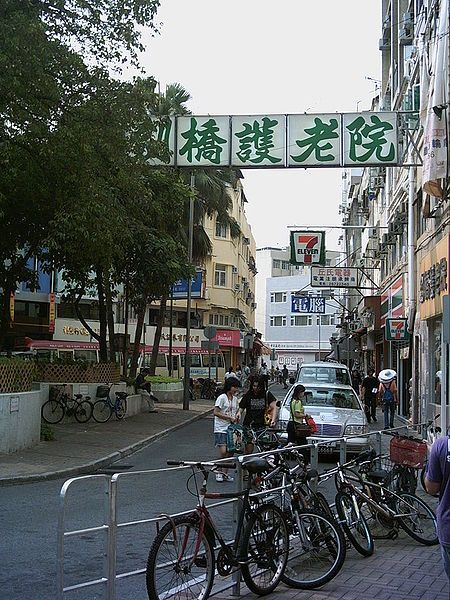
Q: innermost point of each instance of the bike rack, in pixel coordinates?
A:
(111, 525)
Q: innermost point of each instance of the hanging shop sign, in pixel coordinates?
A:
(307, 140)
(396, 330)
(11, 306)
(308, 248)
(180, 287)
(345, 277)
(433, 284)
(307, 304)
(51, 313)
(391, 300)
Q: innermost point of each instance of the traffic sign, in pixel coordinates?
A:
(210, 332)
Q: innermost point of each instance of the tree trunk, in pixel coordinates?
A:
(5, 316)
(103, 346)
(137, 339)
(110, 319)
(158, 331)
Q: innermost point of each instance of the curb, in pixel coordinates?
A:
(101, 462)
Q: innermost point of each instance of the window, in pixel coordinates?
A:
(220, 275)
(195, 360)
(301, 320)
(285, 265)
(278, 321)
(216, 319)
(221, 229)
(276, 264)
(325, 319)
(278, 297)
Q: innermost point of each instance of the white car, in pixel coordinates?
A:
(323, 372)
(337, 411)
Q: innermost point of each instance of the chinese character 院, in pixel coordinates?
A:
(367, 139)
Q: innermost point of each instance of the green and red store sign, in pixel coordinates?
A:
(392, 306)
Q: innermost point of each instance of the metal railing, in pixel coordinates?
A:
(111, 526)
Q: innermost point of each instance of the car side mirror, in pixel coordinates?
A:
(278, 403)
(291, 380)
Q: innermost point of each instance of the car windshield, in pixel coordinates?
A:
(337, 398)
(324, 375)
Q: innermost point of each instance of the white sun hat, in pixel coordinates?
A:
(387, 375)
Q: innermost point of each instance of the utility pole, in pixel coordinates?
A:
(187, 357)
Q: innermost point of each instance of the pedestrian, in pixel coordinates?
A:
(239, 373)
(230, 373)
(369, 389)
(264, 374)
(143, 387)
(258, 404)
(226, 411)
(285, 376)
(387, 395)
(272, 373)
(297, 427)
(356, 381)
(245, 375)
(437, 482)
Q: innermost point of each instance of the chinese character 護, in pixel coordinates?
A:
(256, 141)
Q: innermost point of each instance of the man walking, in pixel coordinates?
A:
(285, 375)
(369, 389)
(437, 481)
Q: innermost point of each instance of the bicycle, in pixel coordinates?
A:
(182, 555)
(406, 455)
(391, 510)
(54, 410)
(433, 433)
(104, 408)
(317, 545)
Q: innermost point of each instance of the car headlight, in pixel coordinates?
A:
(355, 429)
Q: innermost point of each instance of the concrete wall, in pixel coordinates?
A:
(20, 420)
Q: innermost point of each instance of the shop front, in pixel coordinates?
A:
(231, 346)
(432, 353)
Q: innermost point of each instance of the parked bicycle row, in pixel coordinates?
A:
(62, 404)
(287, 530)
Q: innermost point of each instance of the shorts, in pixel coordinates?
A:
(220, 439)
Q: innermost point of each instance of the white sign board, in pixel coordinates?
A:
(314, 140)
(258, 141)
(334, 277)
(203, 141)
(13, 404)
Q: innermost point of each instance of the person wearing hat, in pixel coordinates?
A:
(388, 396)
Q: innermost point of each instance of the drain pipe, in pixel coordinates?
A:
(411, 282)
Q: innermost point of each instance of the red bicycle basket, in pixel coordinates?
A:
(410, 453)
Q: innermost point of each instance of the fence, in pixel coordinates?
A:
(112, 527)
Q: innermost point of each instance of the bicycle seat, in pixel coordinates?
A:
(121, 394)
(256, 465)
(78, 396)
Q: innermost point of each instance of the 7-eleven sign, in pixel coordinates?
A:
(396, 330)
(308, 248)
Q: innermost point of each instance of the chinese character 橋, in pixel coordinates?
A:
(204, 141)
(368, 140)
(318, 141)
(256, 141)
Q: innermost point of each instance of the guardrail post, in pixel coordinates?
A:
(379, 437)
(60, 541)
(314, 461)
(237, 507)
(343, 451)
(111, 541)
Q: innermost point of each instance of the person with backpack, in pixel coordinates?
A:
(260, 408)
(388, 396)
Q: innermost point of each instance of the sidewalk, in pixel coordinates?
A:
(82, 448)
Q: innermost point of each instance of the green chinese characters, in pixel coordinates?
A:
(256, 142)
(203, 142)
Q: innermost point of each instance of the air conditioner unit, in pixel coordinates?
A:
(244, 279)
(384, 44)
(234, 269)
(395, 229)
(253, 305)
(361, 263)
(373, 233)
(207, 294)
(237, 287)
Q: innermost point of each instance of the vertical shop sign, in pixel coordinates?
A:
(51, 314)
(11, 307)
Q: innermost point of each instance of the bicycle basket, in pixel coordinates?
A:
(102, 391)
(409, 452)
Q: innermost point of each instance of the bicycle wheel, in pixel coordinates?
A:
(176, 568)
(83, 411)
(419, 521)
(320, 503)
(121, 408)
(101, 411)
(402, 479)
(423, 474)
(316, 551)
(52, 411)
(354, 524)
(264, 549)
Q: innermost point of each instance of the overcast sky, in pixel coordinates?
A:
(268, 57)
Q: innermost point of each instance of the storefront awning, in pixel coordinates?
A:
(260, 348)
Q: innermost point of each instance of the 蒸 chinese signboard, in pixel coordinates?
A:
(307, 304)
(316, 140)
(308, 247)
(344, 277)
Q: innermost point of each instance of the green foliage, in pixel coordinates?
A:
(161, 379)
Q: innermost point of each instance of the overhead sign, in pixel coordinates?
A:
(334, 277)
(180, 287)
(306, 140)
(307, 304)
(308, 247)
(396, 330)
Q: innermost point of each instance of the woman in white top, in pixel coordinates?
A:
(226, 411)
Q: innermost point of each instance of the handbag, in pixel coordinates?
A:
(311, 424)
(267, 413)
(300, 429)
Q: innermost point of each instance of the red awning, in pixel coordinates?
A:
(78, 345)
